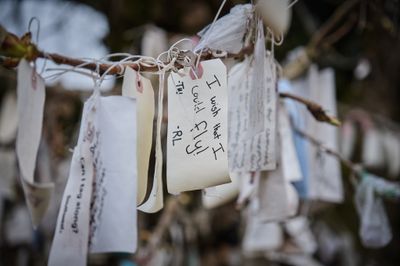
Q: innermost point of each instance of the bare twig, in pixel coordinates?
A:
(13, 60)
(352, 166)
(315, 109)
(339, 14)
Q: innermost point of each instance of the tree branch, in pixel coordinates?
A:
(349, 164)
(25, 45)
(315, 109)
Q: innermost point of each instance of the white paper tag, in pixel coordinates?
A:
(71, 236)
(197, 129)
(275, 198)
(154, 203)
(275, 14)
(326, 177)
(299, 229)
(216, 196)
(261, 237)
(258, 152)
(30, 102)
(259, 89)
(391, 142)
(113, 202)
(98, 211)
(140, 88)
(347, 139)
(290, 162)
(8, 118)
(272, 197)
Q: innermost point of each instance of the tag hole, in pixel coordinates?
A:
(139, 84)
(196, 72)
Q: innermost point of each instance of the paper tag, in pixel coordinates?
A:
(216, 196)
(113, 203)
(391, 143)
(347, 139)
(275, 14)
(98, 210)
(299, 229)
(144, 94)
(274, 199)
(71, 236)
(290, 162)
(155, 201)
(375, 231)
(299, 115)
(325, 177)
(197, 129)
(258, 152)
(227, 33)
(258, 91)
(261, 237)
(8, 118)
(30, 102)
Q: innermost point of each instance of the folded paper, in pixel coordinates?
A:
(30, 105)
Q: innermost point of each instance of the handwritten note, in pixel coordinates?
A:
(30, 104)
(98, 210)
(70, 243)
(197, 129)
(250, 151)
(259, 89)
(113, 203)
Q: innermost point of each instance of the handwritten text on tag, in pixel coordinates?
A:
(197, 129)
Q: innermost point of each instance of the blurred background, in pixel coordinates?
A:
(363, 51)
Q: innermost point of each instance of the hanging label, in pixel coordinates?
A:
(70, 243)
(266, 204)
(258, 91)
(113, 202)
(290, 162)
(261, 237)
(216, 196)
(139, 87)
(98, 211)
(325, 181)
(30, 103)
(154, 203)
(259, 151)
(197, 129)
